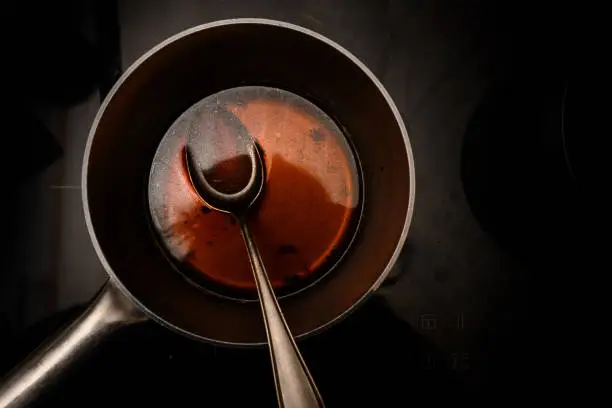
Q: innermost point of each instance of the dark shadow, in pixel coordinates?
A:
(371, 356)
(62, 51)
(521, 188)
(514, 172)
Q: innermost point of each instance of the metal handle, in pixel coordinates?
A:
(109, 310)
(295, 387)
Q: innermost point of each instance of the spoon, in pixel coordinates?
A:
(232, 183)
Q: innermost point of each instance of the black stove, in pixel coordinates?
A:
(456, 318)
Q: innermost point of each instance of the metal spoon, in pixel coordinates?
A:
(222, 187)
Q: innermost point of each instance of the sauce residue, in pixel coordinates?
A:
(308, 209)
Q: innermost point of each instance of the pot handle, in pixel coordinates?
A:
(110, 310)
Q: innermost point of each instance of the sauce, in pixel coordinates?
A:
(305, 217)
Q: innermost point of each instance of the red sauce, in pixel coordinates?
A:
(308, 208)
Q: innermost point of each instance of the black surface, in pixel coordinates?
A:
(514, 171)
(147, 364)
(28, 131)
(68, 50)
(522, 309)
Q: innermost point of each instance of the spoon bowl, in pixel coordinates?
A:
(230, 184)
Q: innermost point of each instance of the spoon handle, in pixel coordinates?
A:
(294, 384)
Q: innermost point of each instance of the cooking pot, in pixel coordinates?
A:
(125, 134)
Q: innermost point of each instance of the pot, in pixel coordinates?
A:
(123, 140)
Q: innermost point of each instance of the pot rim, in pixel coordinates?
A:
(409, 210)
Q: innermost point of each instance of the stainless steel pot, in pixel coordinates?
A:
(137, 112)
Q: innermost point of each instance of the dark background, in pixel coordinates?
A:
(477, 305)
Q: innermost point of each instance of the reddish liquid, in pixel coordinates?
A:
(308, 210)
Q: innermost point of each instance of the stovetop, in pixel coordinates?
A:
(451, 319)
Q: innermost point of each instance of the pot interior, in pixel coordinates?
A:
(305, 216)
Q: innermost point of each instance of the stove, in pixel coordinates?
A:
(452, 319)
